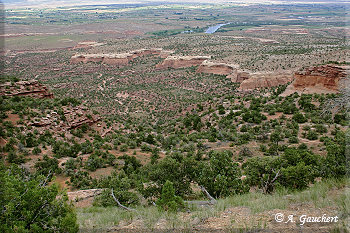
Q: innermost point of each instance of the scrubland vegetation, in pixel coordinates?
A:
(158, 142)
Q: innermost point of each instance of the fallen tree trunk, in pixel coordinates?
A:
(119, 204)
(202, 203)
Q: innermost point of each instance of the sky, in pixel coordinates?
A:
(54, 3)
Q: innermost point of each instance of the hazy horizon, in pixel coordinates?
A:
(60, 3)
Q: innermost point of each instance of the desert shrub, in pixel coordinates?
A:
(63, 149)
(299, 117)
(69, 100)
(123, 196)
(30, 140)
(221, 109)
(70, 166)
(245, 152)
(312, 135)
(193, 122)
(47, 165)
(123, 148)
(36, 151)
(295, 169)
(123, 186)
(94, 162)
(321, 128)
(261, 172)
(335, 164)
(293, 139)
(175, 168)
(168, 201)
(30, 205)
(339, 118)
(276, 136)
(13, 157)
(81, 180)
(131, 164)
(220, 175)
(253, 117)
(289, 107)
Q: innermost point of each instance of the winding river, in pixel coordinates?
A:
(213, 29)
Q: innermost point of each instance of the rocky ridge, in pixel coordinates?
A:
(317, 79)
(25, 88)
(177, 62)
(265, 80)
(120, 59)
(217, 68)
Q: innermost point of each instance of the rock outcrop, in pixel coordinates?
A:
(74, 118)
(119, 59)
(318, 79)
(83, 198)
(239, 76)
(87, 44)
(265, 80)
(181, 61)
(83, 194)
(25, 88)
(79, 115)
(217, 68)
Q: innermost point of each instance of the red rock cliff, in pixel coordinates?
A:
(181, 61)
(25, 88)
(318, 79)
(216, 68)
(265, 80)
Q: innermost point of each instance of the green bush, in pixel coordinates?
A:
(168, 201)
(221, 175)
(312, 135)
(299, 117)
(29, 204)
(123, 196)
(47, 165)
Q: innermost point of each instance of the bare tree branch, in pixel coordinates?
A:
(201, 203)
(119, 204)
(212, 199)
(42, 184)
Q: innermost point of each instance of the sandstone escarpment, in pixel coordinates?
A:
(326, 76)
(119, 59)
(318, 79)
(25, 88)
(216, 68)
(181, 61)
(239, 76)
(87, 44)
(265, 80)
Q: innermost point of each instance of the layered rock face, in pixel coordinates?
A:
(87, 44)
(74, 118)
(79, 115)
(318, 79)
(326, 76)
(145, 52)
(120, 59)
(112, 59)
(216, 68)
(239, 76)
(265, 80)
(25, 88)
(181, 61)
